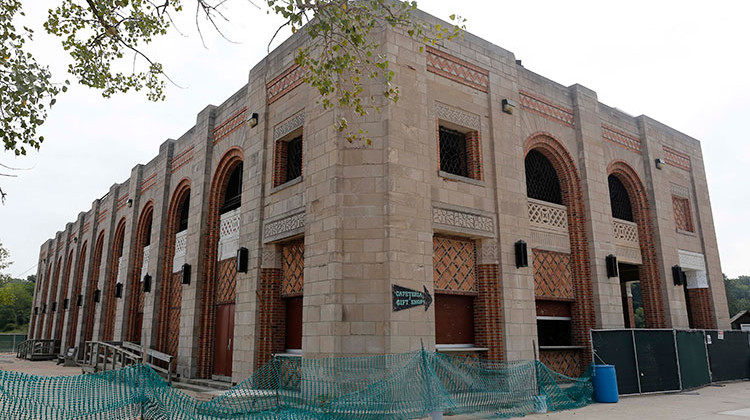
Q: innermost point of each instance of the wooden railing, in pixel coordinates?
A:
(38, 349)
(100, 356)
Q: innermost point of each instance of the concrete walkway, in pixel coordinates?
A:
(721, 402)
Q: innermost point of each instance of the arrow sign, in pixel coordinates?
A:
(404, 298)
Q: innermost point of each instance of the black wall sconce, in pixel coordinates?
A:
(611, 266)
(66, 303)
(118, 290)
(54, 306)
(79, 300)
(252, 121)
(130, 202)
(97, 295)
(36, 310)
(659, 163)
(522, 254)
(185, 273)
(75, 239)
(147, 283)
(44, 308)
(242, 260)
(678, 275)
(509, 106)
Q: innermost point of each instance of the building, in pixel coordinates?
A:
(526, 209)
(741, 321)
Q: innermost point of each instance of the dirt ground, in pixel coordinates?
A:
(722, 402)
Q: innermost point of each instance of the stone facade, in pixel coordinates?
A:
(325, 248)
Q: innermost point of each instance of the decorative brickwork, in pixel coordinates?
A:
(231, 159)
(232, 124)
(566, 362)
(453, 68)
(289, 125)
(63, 295)
(101, 215)
(77, 290)
(454, 264)
(479, 224)
(292, 268)
(701, 309)
(110, 305)
(583, 319)
(135, 299)
(182, 159)
(676, 159)
(85, 230)
(227, 281)
(488, 313)
(457, 116)
(122, 202)
(621, 138)
(51, 298)
(648, 271)
(552, 276)
(547, 109)
(90, 308)
(284, 83)
(683, 218)
(548, 216)
(271, 316)
(474, 155)
(148, 183)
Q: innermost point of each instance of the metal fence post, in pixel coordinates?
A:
(677, 357)
(635, 356)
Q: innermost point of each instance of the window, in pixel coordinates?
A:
(683, 218)
(287, 160)
(460, 153)
(541, 179)
(619, 200)
(184, 213)
(292, 286)
(553, 323)
(233, 192)
(454, 274)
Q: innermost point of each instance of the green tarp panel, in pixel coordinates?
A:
(615, 347)
(729, 356)
(691, 349)
(657, 360)
(8, 342)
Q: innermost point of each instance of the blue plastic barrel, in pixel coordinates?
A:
(605, 384)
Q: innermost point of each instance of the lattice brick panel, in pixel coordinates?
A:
(293, 268)
(621, 138)
(567, 362)
(548, 216)
(457, 70)
(547, 109)
(626, 232)
(284, 83)
(454, 264)
(230, 224)
(552, 275)
(683, 219)
(676, 159)
(227, 281)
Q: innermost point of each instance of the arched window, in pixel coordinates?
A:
(184, 213)
(619, 199)
(233, 192)
(541, 179)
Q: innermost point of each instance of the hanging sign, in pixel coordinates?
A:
(404, 298)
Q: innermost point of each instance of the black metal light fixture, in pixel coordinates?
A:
(97, 295)
(522, 254)
(44, 308)
(54, 306)
(509, 106)
(678, 275)
(79, 300)
(147, 283)
(66, 303)
(252, 121)
(611, 266)
(118, 290)
(130, 202)
(36, 310)
(185, 273)
(659, 163)
(242, 254)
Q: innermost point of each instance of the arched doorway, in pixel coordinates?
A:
(220, 275)
(76, 299)
(88, 330)
(141, 258)
(52, 301)
(64, 295)
(110, 306)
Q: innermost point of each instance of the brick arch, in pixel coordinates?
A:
(135, 294)
(60, 314)
(88, 330)
(77, 286)
(110, 305)
(648, 271)
(170, 297)
(51, 298)
(572, 196)
(228, 162)
(40, 303)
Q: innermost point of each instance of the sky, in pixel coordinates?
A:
(683, 63)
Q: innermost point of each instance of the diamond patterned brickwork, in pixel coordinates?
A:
(566, 362)
(227, 281)
(621, 138)
(454, 264)
(284, 83)
(683, 218)
(232, 124)
(455, 69)
(552, 275)
(174, 308)
(676, 159)
(292, 268)
(547, 109)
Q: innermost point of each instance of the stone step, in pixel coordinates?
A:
(206, 383)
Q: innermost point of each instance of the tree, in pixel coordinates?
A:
(738, 294)
(101, 36)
